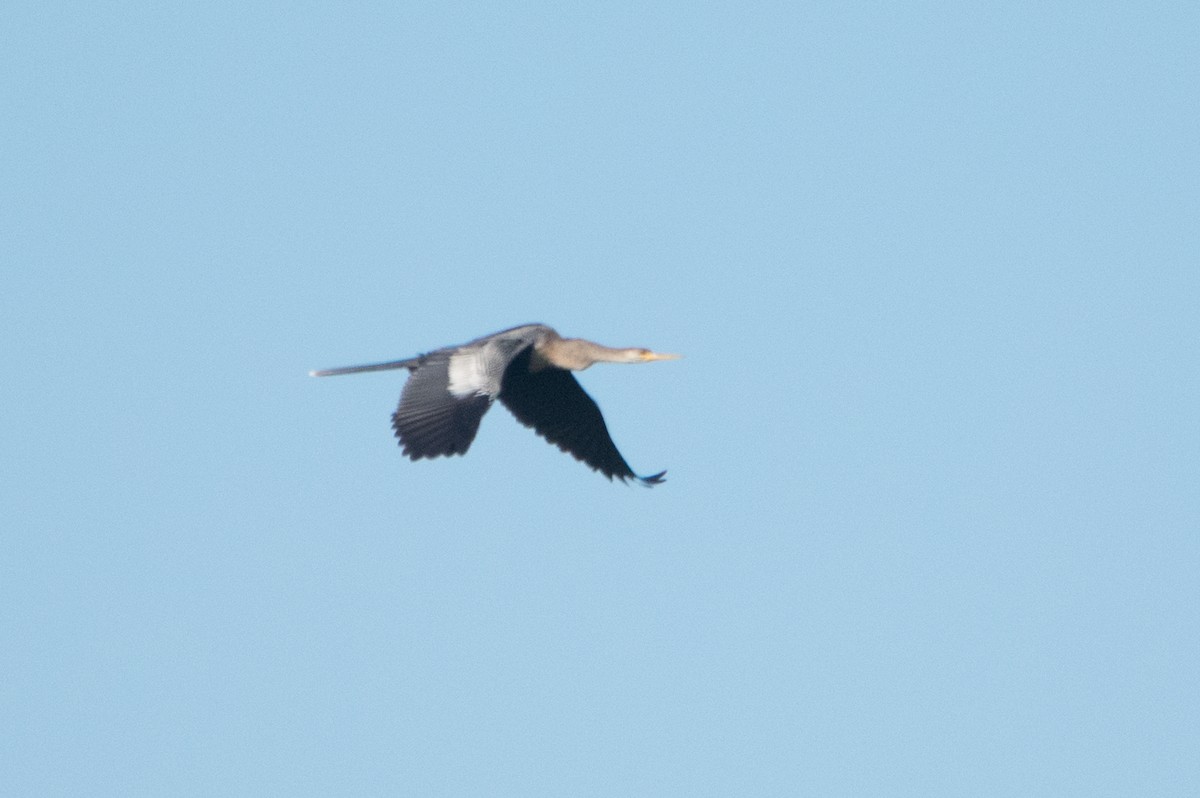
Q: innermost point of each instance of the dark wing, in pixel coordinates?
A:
(552, 402)
(431, 421)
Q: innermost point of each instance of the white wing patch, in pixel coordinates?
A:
(471, 373)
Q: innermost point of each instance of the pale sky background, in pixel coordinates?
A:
(932, 518)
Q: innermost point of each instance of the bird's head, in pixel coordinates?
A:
(577, 354)
(645, 356)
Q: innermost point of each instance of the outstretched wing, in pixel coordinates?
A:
(449, 391)
(431, 421)
(553, 403)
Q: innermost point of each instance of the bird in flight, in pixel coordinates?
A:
(528, 368)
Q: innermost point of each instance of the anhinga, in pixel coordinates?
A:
(528, 368)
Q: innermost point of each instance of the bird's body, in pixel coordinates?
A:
(528, 368)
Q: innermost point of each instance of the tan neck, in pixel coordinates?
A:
(577, 354)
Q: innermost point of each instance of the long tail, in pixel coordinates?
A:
(410, 363)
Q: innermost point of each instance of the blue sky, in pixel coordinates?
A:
(931, 524)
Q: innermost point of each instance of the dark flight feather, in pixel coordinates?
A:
(430, 421)
(552, 402)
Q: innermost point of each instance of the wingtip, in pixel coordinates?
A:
(653, 479)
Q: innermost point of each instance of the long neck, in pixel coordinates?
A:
(577, 354)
